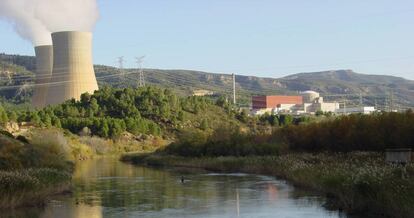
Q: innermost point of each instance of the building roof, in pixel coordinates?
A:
(310, 92)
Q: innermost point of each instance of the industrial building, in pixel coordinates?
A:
(308, 102)
(313, 102)
(275, 103)
(73, 73)
(44, 65)
(356, 110)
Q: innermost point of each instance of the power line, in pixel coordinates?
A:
(334, 64)
(139, 61)
(121, 61)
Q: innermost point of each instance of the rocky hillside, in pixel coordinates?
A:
(338, 85)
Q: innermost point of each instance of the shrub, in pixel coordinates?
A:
(352, 133)
(30, 186)
(224, 141)
(99, 145)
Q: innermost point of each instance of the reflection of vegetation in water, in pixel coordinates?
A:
(153, 190)
(147, 189)
(108, 187)
(360, 182)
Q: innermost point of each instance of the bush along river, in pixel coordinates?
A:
(106, 187)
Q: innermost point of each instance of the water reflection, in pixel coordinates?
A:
(109, 188)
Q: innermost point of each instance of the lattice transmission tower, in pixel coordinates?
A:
(140, 61)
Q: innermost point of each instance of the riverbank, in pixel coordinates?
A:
(34, 167)
(32, 186)
(38, 163)
(357, 182)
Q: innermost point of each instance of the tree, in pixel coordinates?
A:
(47, 120)
(34, 118)
(243, 116)
(56, 122)
(285, 119)
(196, 108)
(85, 98)
(116, 128)
(3, 116)
(274, 120)
(204, 124)
(12, 116)
(94, 106)
(221, 101)
(104, 130)
(319, 113)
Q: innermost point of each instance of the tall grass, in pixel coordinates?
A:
(99, 145)
(351, 133)
(31, 186)
(31, 172)
(357, 132)
(224, 141)
(48, 148)
(357, 182)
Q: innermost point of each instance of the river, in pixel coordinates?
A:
(107, 187)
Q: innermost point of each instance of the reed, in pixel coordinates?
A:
(357, 182)
(31, 186)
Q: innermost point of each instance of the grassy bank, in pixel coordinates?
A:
(33, 168)
(40, 161)
(31, 187)
(358, 182)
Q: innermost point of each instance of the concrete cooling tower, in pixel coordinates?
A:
(44, 63)
(73, 72)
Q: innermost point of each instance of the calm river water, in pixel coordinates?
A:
(109, 188)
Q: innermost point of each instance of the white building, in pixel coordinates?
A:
(356, 110)
(310, 103)
(313, 103)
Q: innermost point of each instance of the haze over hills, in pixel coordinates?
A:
(338, 85)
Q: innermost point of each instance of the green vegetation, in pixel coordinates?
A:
(31, 172)
(183, 82)
(223, 141)
(357, 182)
(211, 134)
(337, 134)
(110, 112)
(374, 132)
(31, 186)
(16, 78)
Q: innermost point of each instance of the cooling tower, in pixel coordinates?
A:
(44, 63)
(73, 72)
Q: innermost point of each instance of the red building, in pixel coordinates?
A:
(262, 102)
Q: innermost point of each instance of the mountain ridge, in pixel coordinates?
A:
(334, 85)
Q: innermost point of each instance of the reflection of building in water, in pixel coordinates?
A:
(69, 210)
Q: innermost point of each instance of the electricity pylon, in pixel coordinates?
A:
(139, 61)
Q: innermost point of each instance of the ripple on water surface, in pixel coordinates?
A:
(109, 188)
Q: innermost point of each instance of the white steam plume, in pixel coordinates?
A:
(21, 14)
(67, 15)
(34, 20)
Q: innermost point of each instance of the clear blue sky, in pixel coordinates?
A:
(271, 38)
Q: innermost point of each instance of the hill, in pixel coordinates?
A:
(381, 89)
(337, 85)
